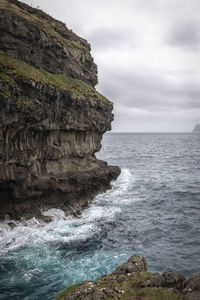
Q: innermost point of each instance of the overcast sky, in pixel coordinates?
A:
(148, 57)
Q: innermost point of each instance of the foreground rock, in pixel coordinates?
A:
(131, 281)
(51, 117)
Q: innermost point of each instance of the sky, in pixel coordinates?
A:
(148, 57)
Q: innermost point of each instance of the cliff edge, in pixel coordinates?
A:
(51, 117)
(131, 281)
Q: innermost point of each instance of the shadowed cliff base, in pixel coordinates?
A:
(131, 281)
(51, 117)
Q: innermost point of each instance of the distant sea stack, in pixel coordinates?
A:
(52, 119)
(196, 128)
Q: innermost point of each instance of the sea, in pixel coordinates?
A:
(153, 209)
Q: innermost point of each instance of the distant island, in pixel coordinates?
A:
(196, 128)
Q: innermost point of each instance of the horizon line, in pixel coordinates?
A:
(150, 132)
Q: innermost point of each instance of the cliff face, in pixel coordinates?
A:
(131, 281)
(51, 119)
(43, 42)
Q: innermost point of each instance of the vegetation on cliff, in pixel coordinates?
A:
(31, 35)
(12, 68)
(48, 24)
(131, 281)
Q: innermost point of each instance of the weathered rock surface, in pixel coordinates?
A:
(43, 42)
(131, 281)
(196, 128)
(51, 124)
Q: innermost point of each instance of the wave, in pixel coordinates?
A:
(62, 228)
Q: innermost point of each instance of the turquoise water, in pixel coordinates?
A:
(153, 209)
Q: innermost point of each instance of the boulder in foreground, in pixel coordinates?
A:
(131, 281)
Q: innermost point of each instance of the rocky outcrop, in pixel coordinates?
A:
(51, 124)
(196, 128)
(131, 281)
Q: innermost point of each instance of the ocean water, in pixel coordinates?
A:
(153, 209)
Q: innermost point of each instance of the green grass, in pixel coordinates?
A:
(130, 286)
(12, 68)
(136, 279)
(67, 291)
(47, 26)
(157, 294)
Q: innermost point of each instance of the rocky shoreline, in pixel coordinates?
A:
(52, 119)
(131, 281)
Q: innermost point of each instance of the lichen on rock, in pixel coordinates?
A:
(52, 119)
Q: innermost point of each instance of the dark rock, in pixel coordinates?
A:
(136, 263)
(192, 289)
(120, 278)
(51, 125)
(173, 280)
(156, 280)
(168, 280)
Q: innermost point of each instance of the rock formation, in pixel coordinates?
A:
(51, 117)
(131, 281)
(196, 128)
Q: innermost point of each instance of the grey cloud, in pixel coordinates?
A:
(151, 90)
(185, 34)
(104, 38)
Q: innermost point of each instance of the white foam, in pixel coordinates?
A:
(119, 194)
(55, 214)
(123, 182)
(96, 213)
(62, 228)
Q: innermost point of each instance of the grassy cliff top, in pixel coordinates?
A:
(126, 290)
(12, 68)
(49, 25)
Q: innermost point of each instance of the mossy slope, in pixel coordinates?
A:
(130, 281)
(12, 68)
(128, 289)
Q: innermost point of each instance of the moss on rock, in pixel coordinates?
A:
(123, 285)
(157, 294)
(12, 68)
(67, 291)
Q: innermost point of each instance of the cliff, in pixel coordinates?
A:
(51, 117)
(43, 42)
(196, 128)
(131, 281)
